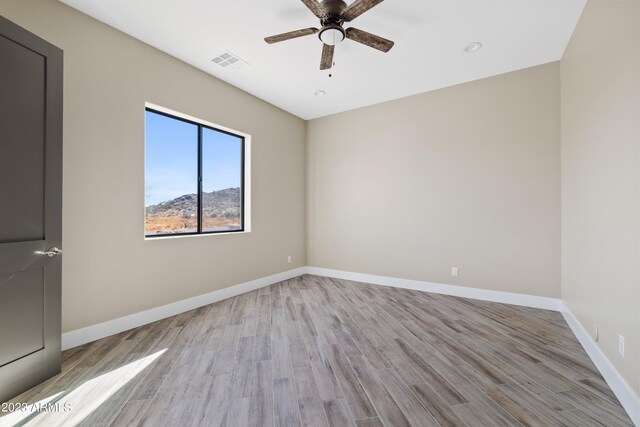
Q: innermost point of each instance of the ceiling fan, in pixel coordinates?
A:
(333, 14)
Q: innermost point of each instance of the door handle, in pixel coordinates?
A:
(52, 252)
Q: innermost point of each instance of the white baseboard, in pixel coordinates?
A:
(623, 391)
(439, 288)
(101, 330)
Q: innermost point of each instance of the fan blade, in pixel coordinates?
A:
(290, 35)
(314, 7)
(369, 39)
(327, 57)
(357, 8)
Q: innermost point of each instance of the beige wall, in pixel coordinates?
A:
(467, 176)
(109, 270)
(601, 178)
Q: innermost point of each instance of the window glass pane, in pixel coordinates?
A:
(221, 181)
(171, 176)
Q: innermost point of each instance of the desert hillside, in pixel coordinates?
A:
(221, 211)
(216, 204)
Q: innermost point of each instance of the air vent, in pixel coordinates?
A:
(229, 61)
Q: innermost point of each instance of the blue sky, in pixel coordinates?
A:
(172, 159)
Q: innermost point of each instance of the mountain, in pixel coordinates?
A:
(221, 203)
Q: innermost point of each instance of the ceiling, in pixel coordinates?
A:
(430, 37)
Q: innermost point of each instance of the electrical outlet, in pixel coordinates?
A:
(454, 271)
(621, 345)
(289, 259)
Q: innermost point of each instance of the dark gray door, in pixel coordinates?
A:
(30, 209)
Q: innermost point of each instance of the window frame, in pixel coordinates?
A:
(244, 173)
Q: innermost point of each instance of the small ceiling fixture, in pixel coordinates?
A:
(472, 47)
(320, 93)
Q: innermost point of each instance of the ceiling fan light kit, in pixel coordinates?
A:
(333, 14)
(332, 35)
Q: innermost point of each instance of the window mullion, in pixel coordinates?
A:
(200, 198)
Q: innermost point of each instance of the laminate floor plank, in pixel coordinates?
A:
(387, 408)
(236, 413)
(578, 418)
(323, 371)
(364, 341)
(338, 414)
(130, 413)
(430, 375)
(474, 415)
(213, 403)
(354, 394)
(261, 404)
(309, 403)
(285, 402)
(600, 409)
(370, 422)
(243, 368)
(406, 400)
(438, 408)
(599, 387)
(158, 371)
(317, 351)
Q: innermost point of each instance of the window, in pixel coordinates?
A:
(194, 177)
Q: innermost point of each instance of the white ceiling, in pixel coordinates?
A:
(430, 37)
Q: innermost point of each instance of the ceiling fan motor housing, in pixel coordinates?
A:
(334, 7)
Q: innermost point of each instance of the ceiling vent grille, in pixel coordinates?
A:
(229, 61)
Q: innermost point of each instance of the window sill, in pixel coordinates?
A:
(178, 236)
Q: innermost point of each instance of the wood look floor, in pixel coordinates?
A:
(316, 351)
